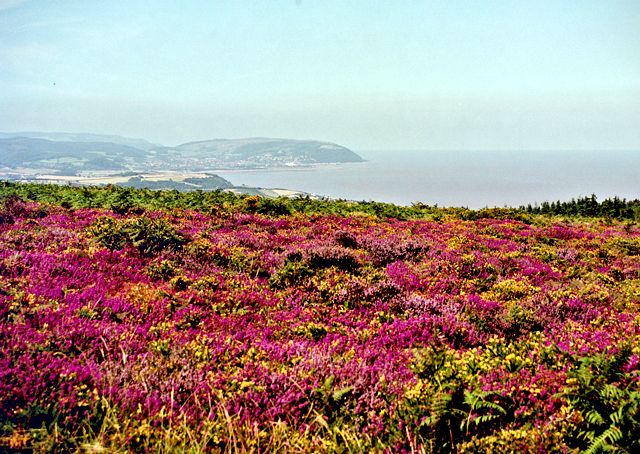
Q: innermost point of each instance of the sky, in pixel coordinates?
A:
(367, 74)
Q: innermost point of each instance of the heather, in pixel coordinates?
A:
(141, 321)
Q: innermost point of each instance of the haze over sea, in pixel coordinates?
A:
(473, 179)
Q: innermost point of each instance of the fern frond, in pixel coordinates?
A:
(612, 434)
(617, 416)
(440, 402)
(328, 383)
(593, 417)
(610, 391)
(484, 418)
(430, 421)
(339, 394)
(490, 405)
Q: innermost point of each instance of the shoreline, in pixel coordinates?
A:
(290, 168)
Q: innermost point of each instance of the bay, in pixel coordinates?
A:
(473, 179)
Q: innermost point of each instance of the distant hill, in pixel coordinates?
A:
(266, 151)
(71, 154)
(48, 154)
(208, 183)
(82, 137)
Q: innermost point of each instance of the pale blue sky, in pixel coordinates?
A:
(368, 74)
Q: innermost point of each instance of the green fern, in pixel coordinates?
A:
(608, 399)
(594, 418)
(476, 401)
(605, 441)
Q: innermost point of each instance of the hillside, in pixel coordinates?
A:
(82, 137)
(263, 151)
(65, 155)
(141, 321)
(206, 183)
(90, 154)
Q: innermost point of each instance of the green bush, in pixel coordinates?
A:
(145, 234)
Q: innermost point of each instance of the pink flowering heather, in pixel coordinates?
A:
(233, 332)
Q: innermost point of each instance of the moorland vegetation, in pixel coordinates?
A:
(158, 321)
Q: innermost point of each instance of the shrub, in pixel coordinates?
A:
(145, 234)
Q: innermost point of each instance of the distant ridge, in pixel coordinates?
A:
(267, 150)
(82, 137)
(70, 153)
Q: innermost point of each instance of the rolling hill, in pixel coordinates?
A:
(67, 153)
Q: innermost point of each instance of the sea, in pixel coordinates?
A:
(473, 179)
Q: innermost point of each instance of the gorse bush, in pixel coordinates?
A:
(146, 234)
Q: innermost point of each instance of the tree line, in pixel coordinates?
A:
(615, 208)
(124, 199)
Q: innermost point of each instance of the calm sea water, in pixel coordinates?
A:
(474, 179)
